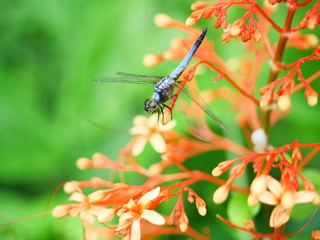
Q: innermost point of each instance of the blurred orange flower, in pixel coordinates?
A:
(149, 129)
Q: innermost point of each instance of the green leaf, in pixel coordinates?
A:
(312, 174)
(238, 210)
(302, 211)
(288, 157)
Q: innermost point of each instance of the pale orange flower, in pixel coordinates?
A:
(284, 200)
(133, 213)
(149, 129)
(106, 215)
(221, 194)
(83, 207)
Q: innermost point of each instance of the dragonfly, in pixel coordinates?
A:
(164, 90)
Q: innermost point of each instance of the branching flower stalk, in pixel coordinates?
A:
(277, 60)
(117, 208)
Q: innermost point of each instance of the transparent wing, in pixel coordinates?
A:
(195, 121)
(139, 76)
(131, 78)
(191, 94)
(125, 80)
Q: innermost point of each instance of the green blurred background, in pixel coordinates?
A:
(49, 51)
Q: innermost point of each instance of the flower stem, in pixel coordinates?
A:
(233, 83)
(265, 118)
(265, 15)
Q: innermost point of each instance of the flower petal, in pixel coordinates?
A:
(274, 186)
(268, 198)
(106, 215)
(167, 127)
(126, 237)
(123, 221)
(304, 196)
(60, 211)
(279, 216)
(97, 196)
(138, 145)
(139, 130)
(131, 204)
(78, 197)
(153, 217)
(140, 120)
(258, 185)
(252, 200)
(158, 143)
(96, 210)
(135, 230)
(87, 217)
(74, 212)
(149, 196)
(287, 199)
(152, 121)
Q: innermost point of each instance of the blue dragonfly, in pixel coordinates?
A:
(164, 90)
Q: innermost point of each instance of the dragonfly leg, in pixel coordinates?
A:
(160, 112)
(175, 95)
(166, 107)
(164, 121)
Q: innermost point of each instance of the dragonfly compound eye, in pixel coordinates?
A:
(150, 106)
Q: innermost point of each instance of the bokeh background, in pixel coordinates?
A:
(49, 52)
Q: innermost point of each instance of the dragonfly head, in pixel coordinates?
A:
(151, 106)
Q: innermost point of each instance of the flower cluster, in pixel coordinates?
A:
(130, 213)
(274, 174)
(237, 29)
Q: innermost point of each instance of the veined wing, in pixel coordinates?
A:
(126, 80)
(139, 76)
(195, 120)
(201, 103)
(131, 78)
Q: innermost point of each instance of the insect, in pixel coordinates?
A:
(164, 89)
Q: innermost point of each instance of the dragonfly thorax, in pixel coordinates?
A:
(163, 90)
(151, 106)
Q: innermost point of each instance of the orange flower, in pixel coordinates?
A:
(315, 235)
(133, 213)
(148, 129)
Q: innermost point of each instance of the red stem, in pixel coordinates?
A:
(307, 158)
(251, 231)
(302, 4)
(298, 62)
(265, 15)
(309, 80)
(256, 101)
